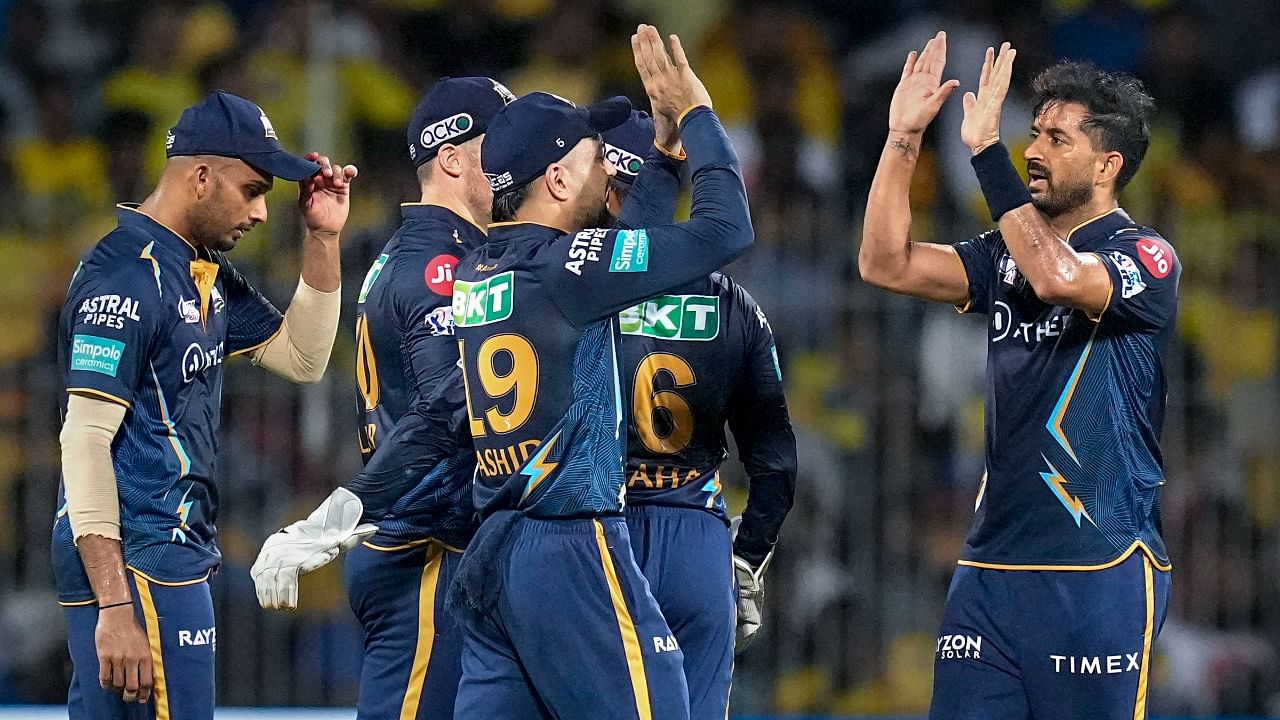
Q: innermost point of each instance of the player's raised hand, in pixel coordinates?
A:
(124, 655)
(324, 198)
(921, 91)
(668, 80)
(981, 126)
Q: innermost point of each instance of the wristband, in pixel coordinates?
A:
(119, 604)
(1001, 185)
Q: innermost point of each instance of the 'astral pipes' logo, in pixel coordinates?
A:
(483, 302)
(446, 129)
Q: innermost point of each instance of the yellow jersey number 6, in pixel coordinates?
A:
(508, 365)
(648, 402)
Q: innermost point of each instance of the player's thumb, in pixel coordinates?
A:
(944, 92)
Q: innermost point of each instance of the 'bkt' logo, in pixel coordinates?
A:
(624, 161)
(446, 129)
(483, 302)
(196, 360)
(673, 317)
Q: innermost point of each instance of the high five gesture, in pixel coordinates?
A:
(981, 126)
(921, 91)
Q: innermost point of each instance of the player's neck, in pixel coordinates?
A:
(549, 213)
(1064, 224)
(164, 208)
(433, 195)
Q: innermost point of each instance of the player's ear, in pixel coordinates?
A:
(1109, 166)
(201, 179)
(557, 181)
(449, 160)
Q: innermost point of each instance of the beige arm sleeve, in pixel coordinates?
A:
(93, 502)
(300, 351)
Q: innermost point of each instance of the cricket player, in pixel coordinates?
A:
(151, 314)
(416, 483)
(559, 619)
(691, 360)
(1064, 580)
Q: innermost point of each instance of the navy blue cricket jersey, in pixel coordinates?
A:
(147, 323)
(692, 360)
(413, 436)
(537, 328)
(1074, 405)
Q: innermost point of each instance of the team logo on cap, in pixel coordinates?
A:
(269, 131)
(508, 97)
(626, 162)
(446, 129)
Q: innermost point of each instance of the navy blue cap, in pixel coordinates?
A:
(230, 126)
(455, 111)
(539, 129)
(627, 145)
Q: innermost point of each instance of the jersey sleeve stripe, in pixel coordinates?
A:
(262, 344)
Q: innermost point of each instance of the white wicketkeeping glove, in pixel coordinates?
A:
(307, 545)
(750, 596)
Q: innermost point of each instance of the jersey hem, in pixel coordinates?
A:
(1161, 565)
(170, 583)
(412, 544)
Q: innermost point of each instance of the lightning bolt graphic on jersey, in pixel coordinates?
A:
(1056, 483)
(539, 467)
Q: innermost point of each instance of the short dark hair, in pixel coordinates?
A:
(506, 204)
(1118, 106)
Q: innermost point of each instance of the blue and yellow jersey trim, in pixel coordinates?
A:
(1137, 545)
(90, 392)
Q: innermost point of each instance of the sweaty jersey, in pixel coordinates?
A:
(147, 323)
(1074, 405)
(410, 401)
(693, 359)
(535, 314)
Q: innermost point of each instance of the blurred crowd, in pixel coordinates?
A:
(886, 393)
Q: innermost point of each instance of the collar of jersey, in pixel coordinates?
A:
(130, 216)
(426, 212)
(1098, 228)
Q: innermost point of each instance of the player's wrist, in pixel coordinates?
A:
(1001, 185)
(978, 148)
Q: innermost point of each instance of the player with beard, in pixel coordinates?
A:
(560, 620)
(151, 313)
(1064, 580)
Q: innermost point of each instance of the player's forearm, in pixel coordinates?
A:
(88, 477)
(653, 196)
(1046, 261)
(769, 500)
(886, 226)
(720, 217)
(300, 351)
(321, 266)
(1051, 267)
(104, 564)
(420, 440)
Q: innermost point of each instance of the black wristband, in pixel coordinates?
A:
(119, 604)
(1001, 185)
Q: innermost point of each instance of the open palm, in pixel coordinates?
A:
(981, 126)
(921, 92)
